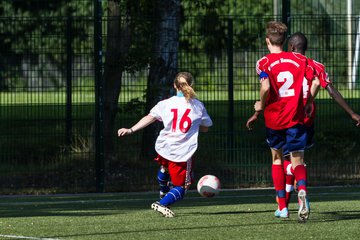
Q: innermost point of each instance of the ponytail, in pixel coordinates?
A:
(185, 87)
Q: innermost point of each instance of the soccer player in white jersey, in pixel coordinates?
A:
(183, 117)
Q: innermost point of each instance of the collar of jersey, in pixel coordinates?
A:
(180, 94)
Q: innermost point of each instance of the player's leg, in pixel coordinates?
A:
(289, 171)
(301, 178)
(178, 173)
(296, 143)
(289, 178)
(276, 140)
(163, 178)
(278, 178)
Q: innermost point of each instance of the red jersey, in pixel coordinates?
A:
(321, 73)
(284, 106)
(324, 82)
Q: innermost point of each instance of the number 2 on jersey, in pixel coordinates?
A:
(288, 79)
(185, 121)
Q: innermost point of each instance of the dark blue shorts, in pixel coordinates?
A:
(309, 140)
(292, 139)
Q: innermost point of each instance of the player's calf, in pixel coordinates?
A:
(163, 178)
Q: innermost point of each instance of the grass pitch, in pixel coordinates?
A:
(238, 214)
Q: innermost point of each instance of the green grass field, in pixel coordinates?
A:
(88, 97)
(240, 214)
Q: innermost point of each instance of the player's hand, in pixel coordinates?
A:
(203, 129)
(251, 121)
(356, 118)
(124, 131)
(258, 106)
(309, 109)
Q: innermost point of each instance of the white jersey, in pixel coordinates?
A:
(178, 140)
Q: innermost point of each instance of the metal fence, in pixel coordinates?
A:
(48, 104)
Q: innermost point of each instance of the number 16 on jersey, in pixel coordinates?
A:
(185, 121)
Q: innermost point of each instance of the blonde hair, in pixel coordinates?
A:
(276, 32)
(185, 87)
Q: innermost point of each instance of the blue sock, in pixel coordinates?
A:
(175, 194)
(163, 179)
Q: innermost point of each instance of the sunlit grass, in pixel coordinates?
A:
(241, 214)
(18, 98)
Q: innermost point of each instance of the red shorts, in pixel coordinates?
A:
(180, 172)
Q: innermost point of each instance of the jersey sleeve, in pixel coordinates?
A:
(324, 79)
(310, 70)
(156, 111)
(205, 118)
(261, 66)
(322, 74)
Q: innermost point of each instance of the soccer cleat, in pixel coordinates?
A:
(165, 211)
(304, 206)
(284, 213)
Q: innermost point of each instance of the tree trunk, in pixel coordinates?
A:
(163, 66)
(117, 48)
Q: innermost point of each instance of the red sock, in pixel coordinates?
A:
(301, 177)
(288, 170)
(278, 177)
(289, 181)
(289, 188)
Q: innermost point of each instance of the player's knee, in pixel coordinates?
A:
(163, 176)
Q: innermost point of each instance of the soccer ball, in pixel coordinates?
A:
(208, 186)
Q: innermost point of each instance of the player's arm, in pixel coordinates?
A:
(264, 92)
(206, 121)
(336, 95)
(314, 89)
(312, 75)
(145, 121)
(251, 121)
(264, 84)
(203, 129)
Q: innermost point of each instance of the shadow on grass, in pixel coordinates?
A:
(123, 203)
(176, 229)
(341, 215)
(228, 212)
(331, 217)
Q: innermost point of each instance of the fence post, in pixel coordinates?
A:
(286, 17)
(69, 63)
(230, 85)
(99, 108)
